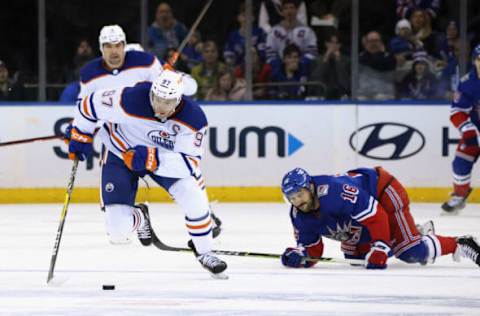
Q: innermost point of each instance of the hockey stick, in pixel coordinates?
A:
(30, 140)
(162, 246)
(66, 202)
(173, 59)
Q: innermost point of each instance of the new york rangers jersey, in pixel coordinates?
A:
(137, 67)
(346, 203)
(128, 120)
(301, 35)
(466, 102)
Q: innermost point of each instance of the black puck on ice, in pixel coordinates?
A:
(108, 287)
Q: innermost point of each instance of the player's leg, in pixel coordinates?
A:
(462, 166)
(118, 190)
(217, 223)
(394, 199)
(193, 200)
(408, 244)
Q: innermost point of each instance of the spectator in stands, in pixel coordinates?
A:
(422, 30)
(192, 53)
(165, 32)
(234, 52)
(420, 83)
(404, 42)
(270, 14)
(376, 69)
(10, 90)
(450, 76)
(333, 69)
(290, 30)
(449, 40)
(261, 73)
(206, 74)
(227, 88)
(83, 54)
(404, 45)
(406, 7)
(290, 69)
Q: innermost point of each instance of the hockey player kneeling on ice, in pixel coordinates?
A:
(148, 129)
(367, 210)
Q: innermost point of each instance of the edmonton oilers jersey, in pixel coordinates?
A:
(128, 120)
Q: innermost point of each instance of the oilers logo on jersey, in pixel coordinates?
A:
(162, 138)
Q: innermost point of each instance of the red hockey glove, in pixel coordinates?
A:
(377, 257)
(470, 134)
(141, 158)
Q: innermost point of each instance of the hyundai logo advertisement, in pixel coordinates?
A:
(387, 141)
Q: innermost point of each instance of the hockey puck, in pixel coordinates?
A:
(108, 287)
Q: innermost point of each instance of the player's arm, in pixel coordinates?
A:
(366, 210)
(183, 161)
(101, 105)
(460, 116)
(309, 244)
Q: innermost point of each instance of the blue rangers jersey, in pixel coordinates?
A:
(128, 120)
(347, 202)
(466, 101)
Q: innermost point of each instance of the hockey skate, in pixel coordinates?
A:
(144, 232)
(214, 265)
(467, 247)
(217, 223)
(455, 204)
(426, 229)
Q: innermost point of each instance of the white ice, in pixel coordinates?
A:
(153, 282)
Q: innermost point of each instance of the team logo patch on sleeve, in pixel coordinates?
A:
(322, 190)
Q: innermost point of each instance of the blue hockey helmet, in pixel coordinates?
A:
(295, 180)
(476, 52)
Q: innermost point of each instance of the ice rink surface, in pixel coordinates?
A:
(153, 282)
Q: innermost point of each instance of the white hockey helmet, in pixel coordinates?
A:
(111, 34)
(166, 93)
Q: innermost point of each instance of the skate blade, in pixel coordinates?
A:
(219, 276)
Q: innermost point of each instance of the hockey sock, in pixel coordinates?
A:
(138, 219)
(461, 189)
(448, 244)
(200, 229)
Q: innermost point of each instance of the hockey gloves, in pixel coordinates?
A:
(295, 258)
(141, 159)
(80, 144)
(377, 257)
(470, 134)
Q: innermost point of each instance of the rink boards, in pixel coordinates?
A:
(249, 147)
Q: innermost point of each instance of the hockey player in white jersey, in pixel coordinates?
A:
(120, 68)
(149, 129)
